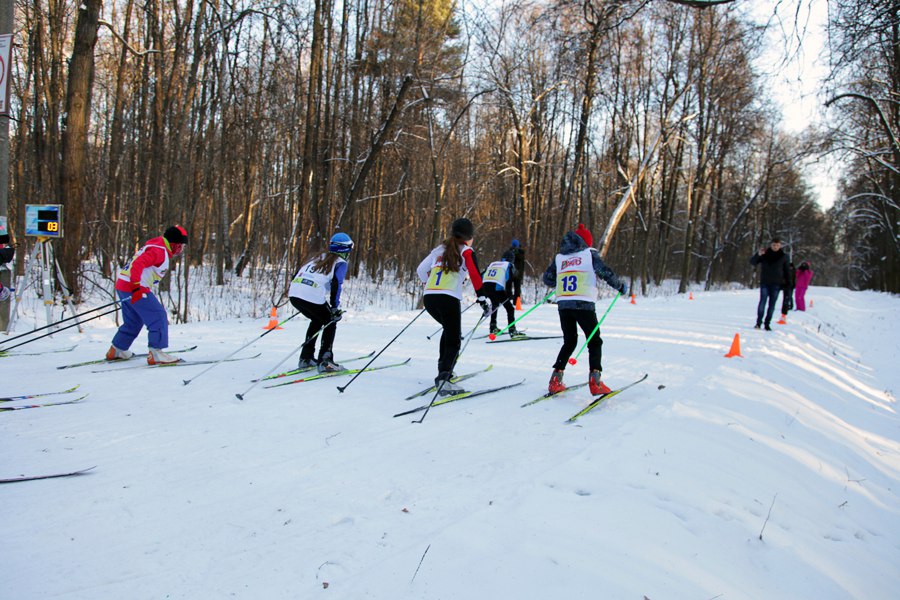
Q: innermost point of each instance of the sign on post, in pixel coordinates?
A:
(5, 71)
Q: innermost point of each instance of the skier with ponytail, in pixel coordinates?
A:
(443, 272)
(316, 292)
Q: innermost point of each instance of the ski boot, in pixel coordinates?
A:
(494, 329)
(513, 332)
(307, 363)
(448, 388)
(596, 384)
(158, 357)
(556, 382)
(327, 364)
(115, 354)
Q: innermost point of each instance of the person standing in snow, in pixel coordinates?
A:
(140, 306)
(514, 287)
(773, 276)
(443, 272)
(804, 276)
(574, 273)
(788, 303)
(7, 253)
(496, 288)
(316, 292)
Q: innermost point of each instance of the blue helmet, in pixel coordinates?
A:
(340, 243)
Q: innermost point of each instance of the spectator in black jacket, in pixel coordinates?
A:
(773, 276)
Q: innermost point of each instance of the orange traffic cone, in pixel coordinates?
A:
(783, 320)
(632, 299)
(273, 319)
(810, 303)
(518, 302)
(690, 295)
(735, 347)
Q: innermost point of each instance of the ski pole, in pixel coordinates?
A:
(341, 388)
(572, 361)
(76, 324)
(283, 360)
(441, 327)
(253, 341)
(437, 392)
(493, 336)
(87, 312)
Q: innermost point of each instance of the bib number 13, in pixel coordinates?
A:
(570, 284)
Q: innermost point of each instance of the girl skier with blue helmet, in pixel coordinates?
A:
(316, 292)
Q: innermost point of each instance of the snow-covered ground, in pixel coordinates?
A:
(771, 476)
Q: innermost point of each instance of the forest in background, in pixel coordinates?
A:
(265, 126)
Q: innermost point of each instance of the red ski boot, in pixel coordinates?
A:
(556, 382)
(596, 384)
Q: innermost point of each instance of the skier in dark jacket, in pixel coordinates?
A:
(575, 273)
(774, 275)
(515, 255)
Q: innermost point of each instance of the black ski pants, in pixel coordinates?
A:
(498, 297)
(445, 309)
(319, 315)
(569, 321)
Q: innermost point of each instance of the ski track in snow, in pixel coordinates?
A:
(663, 491)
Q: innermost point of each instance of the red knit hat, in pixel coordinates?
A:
(583, 232)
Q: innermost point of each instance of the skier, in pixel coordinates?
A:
(140, 306)
(804, 276)
(575, 272)
(443, 272)
(514, 288)
(496, 288)
(316, 292)
(773, 276)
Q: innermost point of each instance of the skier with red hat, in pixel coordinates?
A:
(575, 272)
(140, 306)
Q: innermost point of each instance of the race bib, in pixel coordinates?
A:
(440, 280)
(572, 284)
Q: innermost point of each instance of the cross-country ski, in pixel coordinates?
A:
(460, 396)
(100, 361)
(599, 399)
(326, 375)
(11, 408)
(41, 395)
(51, 476)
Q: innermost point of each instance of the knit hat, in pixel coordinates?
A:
(340, 243)
(176, 234)
(516, 244)
(584, 234)
(463, 229)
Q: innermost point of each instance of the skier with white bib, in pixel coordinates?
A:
(316, 292)
(497, 278)
(574, 273)
(140, 306)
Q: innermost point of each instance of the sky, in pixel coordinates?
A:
(774, 474)
(797, 81)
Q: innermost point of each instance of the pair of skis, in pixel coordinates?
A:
(31, 396)
(327, 374)
(592, 405)
(103, 361)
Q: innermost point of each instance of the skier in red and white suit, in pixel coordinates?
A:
(140, 306)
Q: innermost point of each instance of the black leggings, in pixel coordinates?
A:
(319, 315)
(445, 310)
(570, 320)
(498, 297)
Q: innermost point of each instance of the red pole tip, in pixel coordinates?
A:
(493, 336)
(572, 361)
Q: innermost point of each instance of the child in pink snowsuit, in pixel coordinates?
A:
(804, 275)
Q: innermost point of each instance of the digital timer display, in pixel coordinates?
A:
(43, 220)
